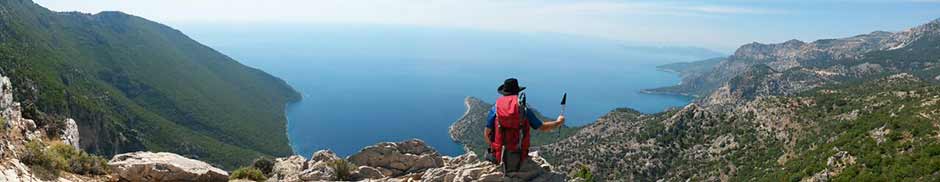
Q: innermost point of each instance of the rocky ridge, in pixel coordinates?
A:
(410, 160)
(826, 59)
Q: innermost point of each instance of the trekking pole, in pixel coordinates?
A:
(564, 101)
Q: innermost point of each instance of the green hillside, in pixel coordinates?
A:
(133, 84)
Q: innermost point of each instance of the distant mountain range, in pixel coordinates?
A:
(862, 108)
(133, 84)
(855, 56)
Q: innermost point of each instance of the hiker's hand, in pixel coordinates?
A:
(561, 120)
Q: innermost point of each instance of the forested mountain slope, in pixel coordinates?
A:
(133, 84)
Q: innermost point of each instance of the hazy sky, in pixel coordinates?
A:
(721, 25)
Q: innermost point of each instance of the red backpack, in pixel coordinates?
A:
(512, 128)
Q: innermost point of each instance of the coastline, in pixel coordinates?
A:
(655, 91)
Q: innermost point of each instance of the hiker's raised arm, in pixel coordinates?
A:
(550, 125)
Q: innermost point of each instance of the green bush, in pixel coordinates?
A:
(89, 164)
(40, 163)
(48, 161)
(249, 173)
(266, 165)
(3, 124)
(584, 172)
(342, 170)
(68, 158)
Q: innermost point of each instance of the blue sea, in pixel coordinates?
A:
(364, 84)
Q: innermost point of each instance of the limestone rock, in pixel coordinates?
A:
(468, 167)
(149, 166)
(15, 171)
(318, 170)
(297, 168)
(400, 158)
(70, 133)
(288, 168)
(324, 155)
(366, 172)
(412, 160)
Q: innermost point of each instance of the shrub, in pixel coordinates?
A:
(249, 173)
(266, 165)
(342, 170)
(67, 158)
(3, 123)
(59, 156)
(584, 172)
(39, 162)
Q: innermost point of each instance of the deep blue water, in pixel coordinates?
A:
(368, 84)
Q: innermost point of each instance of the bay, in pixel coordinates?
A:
(364, 84)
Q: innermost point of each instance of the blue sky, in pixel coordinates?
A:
(720, 25)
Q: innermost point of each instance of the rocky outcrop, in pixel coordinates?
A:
(396, 159)
(410, 160)
(70, 133)
(13, 170)
(149, 166)
(16, 131)
(288, 168)
(468, 167)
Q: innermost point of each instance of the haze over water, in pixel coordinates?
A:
(369, 84)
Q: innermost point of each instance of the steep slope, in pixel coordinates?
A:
(876, 130)
(135, 85)
(856, 109)
(816, 57)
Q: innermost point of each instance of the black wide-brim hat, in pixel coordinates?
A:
(510, 87)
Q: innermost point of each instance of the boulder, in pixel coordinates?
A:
(399, 158)
(296, 168)
(318, 171)
(468, 167)
(288, 168)
(149, 166)
(324, 155)
(366, 172)
(409, 161)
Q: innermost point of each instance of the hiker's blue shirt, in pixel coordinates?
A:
(529, 115)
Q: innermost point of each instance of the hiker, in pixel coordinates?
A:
(507, 127)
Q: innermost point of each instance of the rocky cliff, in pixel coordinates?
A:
(16, 133)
